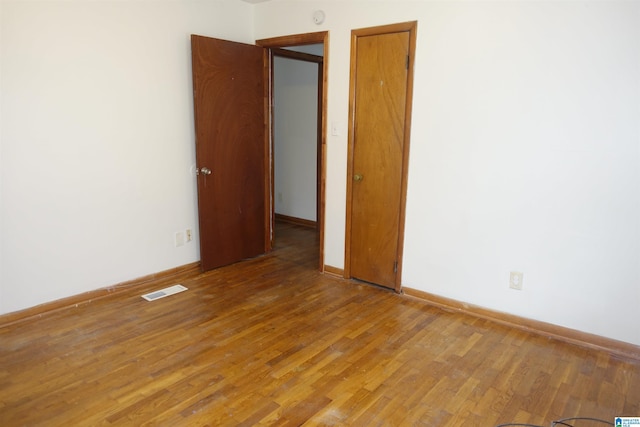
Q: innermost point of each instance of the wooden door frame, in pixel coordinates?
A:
(272, 44)
(410, 27)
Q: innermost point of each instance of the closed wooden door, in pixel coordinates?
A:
(231, 150)
(380, 101)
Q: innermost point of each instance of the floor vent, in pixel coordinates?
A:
(152, 296)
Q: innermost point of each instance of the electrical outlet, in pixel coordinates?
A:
(188, 235)
(515, 280)
(179, 238)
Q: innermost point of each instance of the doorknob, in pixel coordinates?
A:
(357, 177)
(204, 171)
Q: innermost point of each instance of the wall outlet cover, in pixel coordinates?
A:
(515, 280)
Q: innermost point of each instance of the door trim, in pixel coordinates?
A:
(412, 28)
(300, 40)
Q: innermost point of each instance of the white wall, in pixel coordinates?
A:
(525, 151)
(1, 168)
(295, 137)
(97, 140)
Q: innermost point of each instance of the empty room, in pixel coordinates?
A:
(297, 212)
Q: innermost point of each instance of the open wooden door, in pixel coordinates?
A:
(231, 150)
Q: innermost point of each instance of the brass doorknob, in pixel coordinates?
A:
(357, 177)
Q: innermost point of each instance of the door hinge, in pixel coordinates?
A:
(395, 266)
(407, 62)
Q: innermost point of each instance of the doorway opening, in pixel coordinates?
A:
(297, 196)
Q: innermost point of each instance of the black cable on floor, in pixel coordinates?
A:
(564, 421)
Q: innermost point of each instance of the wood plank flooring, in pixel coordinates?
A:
(270, 341)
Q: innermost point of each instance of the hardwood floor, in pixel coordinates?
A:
(270, 341)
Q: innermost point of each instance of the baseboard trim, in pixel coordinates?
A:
(618, 348)
(174, 274)
(297, 221)
(334, 271)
